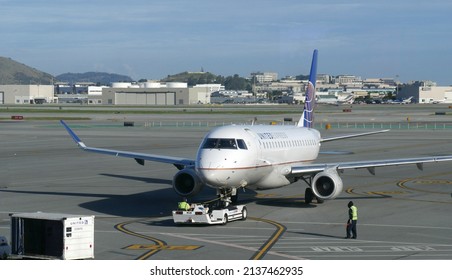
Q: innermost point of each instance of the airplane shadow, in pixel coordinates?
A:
(294, 202)
(299, 202)
(141, 179)
(160, 202)
(151, 203)
(157, 202)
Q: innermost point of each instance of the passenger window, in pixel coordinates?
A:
(241, 144)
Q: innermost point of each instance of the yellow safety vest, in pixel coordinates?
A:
(184, 205)
(354, 213)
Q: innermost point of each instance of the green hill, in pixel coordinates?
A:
(193, 78)
(16, 73)
(101, 78)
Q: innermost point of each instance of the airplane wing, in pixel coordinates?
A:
(139, 157)
(370, 165)
(352, 135)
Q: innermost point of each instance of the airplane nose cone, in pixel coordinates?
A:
(209, 171)
(214, 169)
(209, 176)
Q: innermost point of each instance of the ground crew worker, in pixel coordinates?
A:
(352, 220)
(184, 205)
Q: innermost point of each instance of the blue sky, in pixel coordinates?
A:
(151, 39)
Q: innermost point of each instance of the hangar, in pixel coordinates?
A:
(131, 96)
(155, 94)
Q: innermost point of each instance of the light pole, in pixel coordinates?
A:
(397, 86)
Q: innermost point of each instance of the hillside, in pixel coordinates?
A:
(15, 73)
(101, 78)
(193, 78)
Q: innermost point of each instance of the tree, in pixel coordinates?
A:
(219, 80)
(236, 83)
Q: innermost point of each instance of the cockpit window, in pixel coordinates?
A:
(242, 144)
(220, 143)
(227, 144)
(210, 143)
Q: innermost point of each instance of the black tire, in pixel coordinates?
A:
(308, 196)
(225, 220)
(244, 213)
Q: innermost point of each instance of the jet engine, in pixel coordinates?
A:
(327, 184)
(187, 183)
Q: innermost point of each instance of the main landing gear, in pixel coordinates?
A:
(309, 197)
(308, 193)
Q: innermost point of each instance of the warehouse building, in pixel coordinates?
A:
(437, 94)
(27, 94)
(426, 92)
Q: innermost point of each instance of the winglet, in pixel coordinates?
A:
(73, 135)
(307, 117)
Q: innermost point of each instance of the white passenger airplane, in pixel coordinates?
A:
(349, 99)
(262, 157)
(403, 101)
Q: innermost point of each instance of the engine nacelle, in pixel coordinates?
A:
(327, 184)
(187, 183)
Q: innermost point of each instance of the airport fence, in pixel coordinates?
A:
(320, 125)
(394, 126)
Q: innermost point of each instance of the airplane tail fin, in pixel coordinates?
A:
(307, 117)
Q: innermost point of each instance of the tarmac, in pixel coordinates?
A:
(404, 213)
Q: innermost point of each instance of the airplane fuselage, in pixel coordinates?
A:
(255, 157)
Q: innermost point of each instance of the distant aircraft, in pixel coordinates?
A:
(438, 101)
(262, 157)
(349, 99)
(403, 101)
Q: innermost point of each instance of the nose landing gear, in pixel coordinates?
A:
(228, 195)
